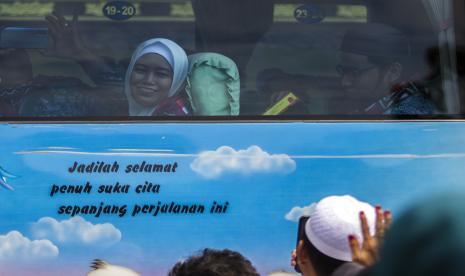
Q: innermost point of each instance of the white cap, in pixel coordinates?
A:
(334, 219)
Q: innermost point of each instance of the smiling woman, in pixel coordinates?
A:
(151, 79)
(156, 73)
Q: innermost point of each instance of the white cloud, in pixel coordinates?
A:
(76, 230)
(212, 164)
(14, 246)
(297, 212)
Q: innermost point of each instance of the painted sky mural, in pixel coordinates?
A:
(147, 195)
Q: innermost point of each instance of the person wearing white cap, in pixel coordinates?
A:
(325, 249)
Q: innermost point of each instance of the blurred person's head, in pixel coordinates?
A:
(157, 70)
(375, 57)
(15, 68)
(428, 239)
(211, 262)
(328, 228)
(103, 268)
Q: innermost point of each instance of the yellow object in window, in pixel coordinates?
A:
(282, 105)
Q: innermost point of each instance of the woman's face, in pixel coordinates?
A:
(151, 79)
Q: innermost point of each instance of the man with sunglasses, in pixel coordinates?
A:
(375, 72)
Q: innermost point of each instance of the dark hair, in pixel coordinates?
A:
(211, 262)
(324, 265)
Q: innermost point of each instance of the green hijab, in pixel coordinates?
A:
(429, 239)
(213, 85)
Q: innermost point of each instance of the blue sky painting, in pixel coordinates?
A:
(159, 192)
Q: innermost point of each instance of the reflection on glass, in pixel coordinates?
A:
(355, 60)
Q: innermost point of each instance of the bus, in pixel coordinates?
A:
(140, 132)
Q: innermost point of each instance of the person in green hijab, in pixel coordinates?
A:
(213, 85)
(428, 239)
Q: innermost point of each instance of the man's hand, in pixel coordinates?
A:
(367, 254)
(300, 257)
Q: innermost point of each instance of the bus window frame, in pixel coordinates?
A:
(232, 119)
(459, 25)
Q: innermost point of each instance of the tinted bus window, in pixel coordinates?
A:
(158, 59)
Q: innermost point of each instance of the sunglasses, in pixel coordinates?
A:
(352, 72)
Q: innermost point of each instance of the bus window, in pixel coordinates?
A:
(344, 59)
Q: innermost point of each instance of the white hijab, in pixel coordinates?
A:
(174, 55)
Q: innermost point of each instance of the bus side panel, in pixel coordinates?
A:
(147, 195)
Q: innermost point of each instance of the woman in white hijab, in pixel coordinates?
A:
(157, 71)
